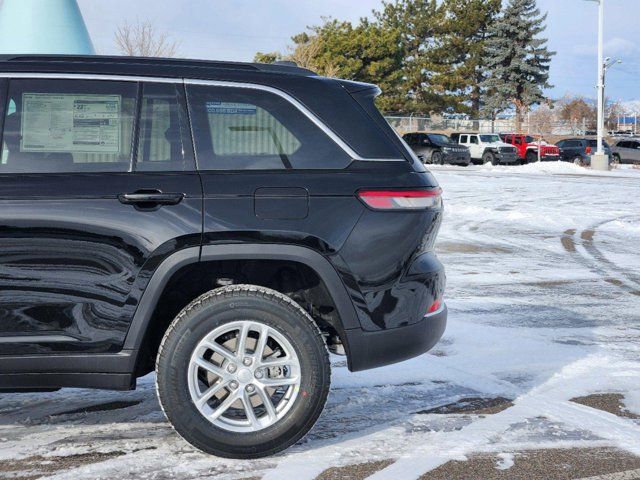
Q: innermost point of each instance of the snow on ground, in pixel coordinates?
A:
(543, 271)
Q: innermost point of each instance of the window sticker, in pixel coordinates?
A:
(54, 122)
(228, 108)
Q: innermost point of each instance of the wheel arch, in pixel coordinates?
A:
(143, 321)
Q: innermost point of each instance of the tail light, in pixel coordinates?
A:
(415, 199)
(588, 151)
(435, 306)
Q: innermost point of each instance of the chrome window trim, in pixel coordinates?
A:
(90, 76)
(304, 110)
(216, 83)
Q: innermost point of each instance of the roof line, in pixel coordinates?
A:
(114, 59)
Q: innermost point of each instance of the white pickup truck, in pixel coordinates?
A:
(487, 148)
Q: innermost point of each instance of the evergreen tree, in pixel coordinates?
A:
(365, 52)
(463, 54)
(517, 60)
(419, 23)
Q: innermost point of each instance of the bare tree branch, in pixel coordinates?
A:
(143, 40)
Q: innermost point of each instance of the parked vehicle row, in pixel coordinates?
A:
(464, 148)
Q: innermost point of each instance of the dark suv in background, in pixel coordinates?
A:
(221, 223)
(437, 149)
(579, 150)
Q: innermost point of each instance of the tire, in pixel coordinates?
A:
(490, 158)
(182, 380)
(578, 161)
(615, 159)
(531, 157)
(437, 159)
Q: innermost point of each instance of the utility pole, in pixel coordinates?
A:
(599, 160)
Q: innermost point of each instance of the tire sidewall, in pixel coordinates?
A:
(173, 376)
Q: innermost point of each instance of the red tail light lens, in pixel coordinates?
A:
(588, 151)
(421, 199)
(435, 306)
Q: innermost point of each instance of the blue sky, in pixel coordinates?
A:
(236, 29)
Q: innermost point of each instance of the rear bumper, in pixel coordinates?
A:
(375, 349)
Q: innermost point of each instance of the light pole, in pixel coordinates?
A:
(599, 160)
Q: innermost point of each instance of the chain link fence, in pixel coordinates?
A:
(404, 124)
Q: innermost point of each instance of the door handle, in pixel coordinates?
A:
(150, 198)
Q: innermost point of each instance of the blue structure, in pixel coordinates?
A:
(43, 27)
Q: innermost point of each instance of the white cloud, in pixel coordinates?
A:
(619, 46)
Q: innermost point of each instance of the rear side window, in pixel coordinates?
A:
(162, 145)
(57, 126)
(251, 129)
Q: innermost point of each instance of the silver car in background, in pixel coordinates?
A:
(626, 151)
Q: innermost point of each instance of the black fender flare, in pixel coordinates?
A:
(207, 253)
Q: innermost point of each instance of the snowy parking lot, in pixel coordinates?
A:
(537, 376)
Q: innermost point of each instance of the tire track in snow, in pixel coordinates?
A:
(590, 256)
(543, 400)
(596, 253)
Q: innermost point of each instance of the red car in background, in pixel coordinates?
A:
(527, 148)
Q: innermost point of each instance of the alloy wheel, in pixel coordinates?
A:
(244, 376)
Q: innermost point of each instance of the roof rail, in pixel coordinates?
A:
(284, 67)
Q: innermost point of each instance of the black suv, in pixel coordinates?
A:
(437, 149)
(225, 224)
(579, 150)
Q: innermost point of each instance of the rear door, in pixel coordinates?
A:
(88, 208)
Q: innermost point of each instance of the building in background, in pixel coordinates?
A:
(43, 27)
